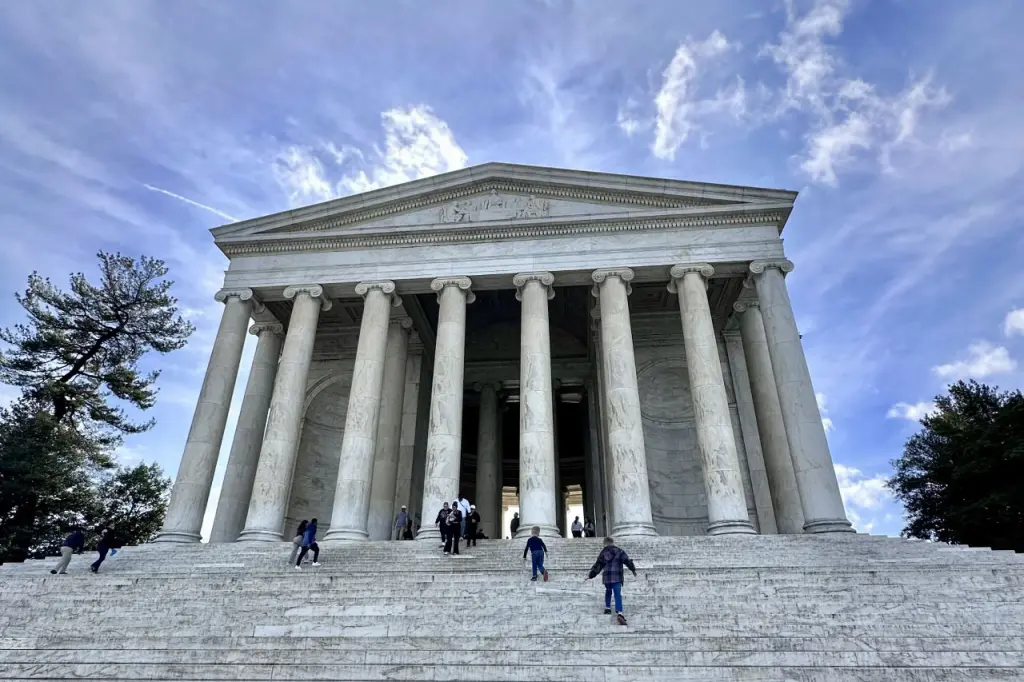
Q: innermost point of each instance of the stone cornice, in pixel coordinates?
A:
(714, 217)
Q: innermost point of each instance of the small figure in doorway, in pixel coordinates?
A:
(588, 529)
(451, 544)
(577, 528)
(514, 525)
(442, 523)
(401, 521)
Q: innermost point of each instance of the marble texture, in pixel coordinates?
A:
(723, 484)
(488, 462)
(240, 472)
(271, 489)
(537, 479)
(355, 469)
(407, 439)
(444, 432)
(191, 490)
(630, 490)
(812, 462)
(380, 525)
(785, 496)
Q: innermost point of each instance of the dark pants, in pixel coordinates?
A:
(538, 562)
(103, 555)
(577, 533)
(451, 541)
(470, 535)
(302, 555)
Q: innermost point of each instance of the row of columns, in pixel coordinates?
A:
(258, 478)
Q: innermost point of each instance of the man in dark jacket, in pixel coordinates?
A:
(108, 541)
(514, 525)
(442, 523)
(611, 560)
(451, 543)
(472, 523)
(72, 544)
(309, 543)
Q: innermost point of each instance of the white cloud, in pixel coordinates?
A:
(833, 146)
(914, 412)
(676, 104)
(1014, 322)
(417, 144)
(826, 421)
(301, 175)
(862, 496)
(628, 120)
(984, 359)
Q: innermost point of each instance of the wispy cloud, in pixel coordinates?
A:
(914, 412)
(1014, 322)
(983, 360)
(211, 209)
(865, 497)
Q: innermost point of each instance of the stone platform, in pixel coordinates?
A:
(746, 608)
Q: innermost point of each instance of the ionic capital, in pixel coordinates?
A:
(240, 294)
(267, 328)
(783, 265)
(742, 306)
(679, 271)
(460, 283)
(601, 275)
(387, 287)
(403, 321)
(546, 279)
(314, 291)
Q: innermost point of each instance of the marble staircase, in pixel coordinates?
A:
(747, 608)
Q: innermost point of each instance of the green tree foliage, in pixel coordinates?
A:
(76, 360)
(960, 478)
(133, 502)
(82, 347)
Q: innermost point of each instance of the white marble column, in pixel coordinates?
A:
(192, 484)
(723, 482)
(389, 432)
(273, 484)
(789, 515)
(537, 494)
(236, 489)
(812, 462)
(627, 466)
(355, 467)
(444, 430)
(488, 466)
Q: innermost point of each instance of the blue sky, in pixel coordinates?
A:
(137, 126)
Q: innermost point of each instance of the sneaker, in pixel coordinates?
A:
(607, 612)
(621, 618)
(94, 569)
(533, 579)
(447, 553)
(298, 568)
(316, 563)
(53, 571)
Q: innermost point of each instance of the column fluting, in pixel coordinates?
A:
(488, 466)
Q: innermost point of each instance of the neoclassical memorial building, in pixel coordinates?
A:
(518, 328)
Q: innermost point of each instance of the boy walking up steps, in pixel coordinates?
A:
(611, 560)
(537, 549)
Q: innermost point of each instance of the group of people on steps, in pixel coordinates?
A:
(75, 543)
(457, 521)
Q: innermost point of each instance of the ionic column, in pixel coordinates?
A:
(537, 494)
(355, 468)
(389, 431)
(488, 498)
(192, 484)
(236, 489)
(627, 465)
(273, 482)
(723, 482)
(444, 430)
(789, 515)
(812, 462)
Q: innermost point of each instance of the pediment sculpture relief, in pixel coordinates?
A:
(493, 206)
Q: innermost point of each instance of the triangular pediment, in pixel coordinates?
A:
(495, 194)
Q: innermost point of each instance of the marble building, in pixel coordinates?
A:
(508, 327)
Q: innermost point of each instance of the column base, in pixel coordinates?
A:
(431, 534)
(634, 528)
(828, 526)
(177, 536)
(730, 528)
(260, 535)
(346, 535)
(546, 531)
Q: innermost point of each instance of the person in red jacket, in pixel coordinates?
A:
(611, 560)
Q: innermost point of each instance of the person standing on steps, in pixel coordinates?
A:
(442, 523)
(472, 523)
(73, 544)
(588, 529)
(309, 543)
(577, 528)
(537, 551)
(451, 545)
(297, 540)
(401, 521)
(514, 526)
(464, 506)
(108, 541)
(611, 560)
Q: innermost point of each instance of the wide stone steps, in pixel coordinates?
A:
(745, 608)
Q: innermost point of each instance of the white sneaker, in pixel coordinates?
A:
(298, 568)
(316, 563)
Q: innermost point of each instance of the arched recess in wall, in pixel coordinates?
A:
(316, 464)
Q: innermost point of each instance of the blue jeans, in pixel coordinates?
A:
(538, 562)
(616, 589)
